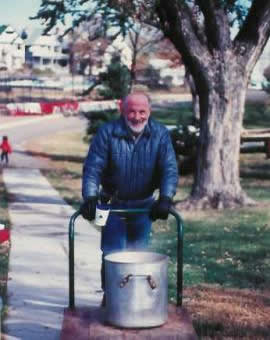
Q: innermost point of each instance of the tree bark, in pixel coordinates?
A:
(221, 70)
(217, 177)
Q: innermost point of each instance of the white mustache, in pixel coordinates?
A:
(138, 127)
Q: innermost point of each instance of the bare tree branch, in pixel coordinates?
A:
(230, 4)
(217, 28)
(254, 34)
(196, 22)
(175, 18)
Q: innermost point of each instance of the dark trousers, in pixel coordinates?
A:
(4, 156)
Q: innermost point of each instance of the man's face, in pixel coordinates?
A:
(136, 111)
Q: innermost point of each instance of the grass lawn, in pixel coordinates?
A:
(226, 253)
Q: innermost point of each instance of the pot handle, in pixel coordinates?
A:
(149, 279)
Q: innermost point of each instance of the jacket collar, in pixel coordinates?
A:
(121, 129)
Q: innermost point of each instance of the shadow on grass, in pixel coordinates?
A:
(67, 158)
(63, 173)
(257, 171)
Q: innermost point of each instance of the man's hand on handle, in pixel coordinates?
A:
(88, 208)
(161, 208)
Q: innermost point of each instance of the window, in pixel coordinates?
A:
(36, 59)
(46, 61)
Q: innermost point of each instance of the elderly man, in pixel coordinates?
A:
(130, 158)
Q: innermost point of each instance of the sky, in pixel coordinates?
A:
(17, 12)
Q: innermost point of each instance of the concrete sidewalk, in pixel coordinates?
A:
(38, 276)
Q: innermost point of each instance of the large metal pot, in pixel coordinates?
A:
(136, 289)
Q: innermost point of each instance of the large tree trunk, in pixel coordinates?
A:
(222, 100)
(220, 68)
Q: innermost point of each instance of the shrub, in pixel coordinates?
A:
(185, 141)
(153, 79)
(115, 81)
(96, 119)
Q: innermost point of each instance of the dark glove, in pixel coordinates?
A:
(104, 197)
(88, 208)
(161, 208)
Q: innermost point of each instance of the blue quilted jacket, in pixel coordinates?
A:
(128, 169)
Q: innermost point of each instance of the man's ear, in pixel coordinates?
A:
(120, 105)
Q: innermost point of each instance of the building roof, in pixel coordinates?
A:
(8, 35)
(2, 28)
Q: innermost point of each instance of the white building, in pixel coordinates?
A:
(12, 48)
(46, 52)
(167, 69)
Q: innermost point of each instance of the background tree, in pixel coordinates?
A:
(115, 81)
(219, 63)
(85, 46)
(114, 85)
(142, 39)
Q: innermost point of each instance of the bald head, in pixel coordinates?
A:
(137, 96)
(136, 109)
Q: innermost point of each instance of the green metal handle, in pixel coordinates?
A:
(180, 236)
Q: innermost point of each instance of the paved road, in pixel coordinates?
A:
(20, 129)
(23, 129)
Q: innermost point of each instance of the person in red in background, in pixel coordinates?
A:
(4, 239)
(6, 149)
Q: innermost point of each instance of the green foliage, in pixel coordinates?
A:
(121, 14)
(185, 140)
(115, 81)
(96, 119)
(115, 85)
(237, 10)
